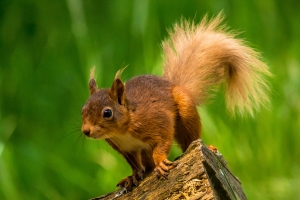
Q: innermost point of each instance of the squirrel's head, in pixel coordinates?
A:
(105, 113)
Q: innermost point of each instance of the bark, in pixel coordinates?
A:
(199, 174)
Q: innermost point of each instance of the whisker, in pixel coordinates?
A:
(76, 142)
(83, 143)
(74, 125)
(77, 123)
(59, 138)
(69, 133)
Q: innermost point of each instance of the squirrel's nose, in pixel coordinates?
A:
(86, 132)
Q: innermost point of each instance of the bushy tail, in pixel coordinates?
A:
(199, 57)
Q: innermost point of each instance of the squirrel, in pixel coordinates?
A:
(140, 118)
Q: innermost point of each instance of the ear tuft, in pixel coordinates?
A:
(119, 73)
(92, 73)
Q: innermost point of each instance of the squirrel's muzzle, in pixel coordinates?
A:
(86, 131)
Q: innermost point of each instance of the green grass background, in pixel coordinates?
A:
(47, 49)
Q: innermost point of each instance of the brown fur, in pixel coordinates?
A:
(187, 124)
(139, 119)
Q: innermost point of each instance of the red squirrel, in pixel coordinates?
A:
(140, 118)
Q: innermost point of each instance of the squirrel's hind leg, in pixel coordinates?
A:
(187, 125)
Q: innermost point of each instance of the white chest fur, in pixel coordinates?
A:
(128, 143)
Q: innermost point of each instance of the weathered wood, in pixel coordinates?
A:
(199, 174)
(224, 184)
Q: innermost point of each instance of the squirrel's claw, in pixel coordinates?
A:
(129, 182)
(162, 170)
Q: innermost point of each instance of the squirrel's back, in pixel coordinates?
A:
(152, 88)
(149, 91)
(199, 57)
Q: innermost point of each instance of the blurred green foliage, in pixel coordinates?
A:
(47, 49)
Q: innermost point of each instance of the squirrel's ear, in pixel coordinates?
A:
(92, 83)
(118, 91)
(93, 86)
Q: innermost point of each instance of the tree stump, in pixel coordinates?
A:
(199, 174)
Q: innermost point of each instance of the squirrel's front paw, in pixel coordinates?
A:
(162, 169)
(126, 183)
(129, 182)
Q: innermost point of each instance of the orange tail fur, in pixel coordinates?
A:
(199, 57)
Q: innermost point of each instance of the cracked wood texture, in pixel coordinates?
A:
(199, 174)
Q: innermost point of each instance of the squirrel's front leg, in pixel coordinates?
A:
(162, 164)
(134, 159)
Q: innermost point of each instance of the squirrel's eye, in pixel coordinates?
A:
(107, 113)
